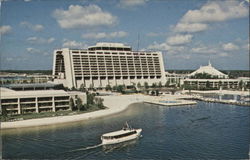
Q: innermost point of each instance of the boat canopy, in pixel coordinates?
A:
(106, 136)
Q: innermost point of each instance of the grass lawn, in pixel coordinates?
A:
(46, 114)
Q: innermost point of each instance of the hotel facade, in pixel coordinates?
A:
(107, 64)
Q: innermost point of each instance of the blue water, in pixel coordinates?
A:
(202, 131)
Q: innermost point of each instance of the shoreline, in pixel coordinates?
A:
(112, 108)
(114, 103)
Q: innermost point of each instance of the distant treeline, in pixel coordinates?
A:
(180, 71)
(49, 72)
(237, 73)
(230, 73)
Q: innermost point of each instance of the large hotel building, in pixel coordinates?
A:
(107, 64)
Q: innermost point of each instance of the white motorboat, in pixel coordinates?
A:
(127, 133)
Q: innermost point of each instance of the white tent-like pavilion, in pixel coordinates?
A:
(209, 69)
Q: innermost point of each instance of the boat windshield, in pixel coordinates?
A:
(119, 136)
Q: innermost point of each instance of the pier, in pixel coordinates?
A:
(220, 100)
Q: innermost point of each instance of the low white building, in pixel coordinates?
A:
(219, 79)
(18, 102)
(174, 78)
(218, 83)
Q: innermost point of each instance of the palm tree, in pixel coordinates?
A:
(79, 103)
(146, 85)
(4, 113)
(71, 104)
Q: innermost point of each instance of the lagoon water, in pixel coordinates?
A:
(202, 131)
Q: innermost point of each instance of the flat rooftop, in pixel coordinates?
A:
(32, 86)
(9, 93)
(110, 46)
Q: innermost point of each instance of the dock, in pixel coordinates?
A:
(174, 103)
(224, 101)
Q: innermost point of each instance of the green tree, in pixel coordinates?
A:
(108, 88)
(240, 84)
(25, 81)
(79, 103)
(207, 85)
(90, 99)
(139, 85)
(32, 80)
(220, 84)
(114, 88)
(91, 86)
(146, 85)
(154, 85)
(157, 92)
(99, 102)
(120, 88)
(82, 88)
(167, 83)
(71, 104)
(160, 85)
(152, 93)
(4, 112)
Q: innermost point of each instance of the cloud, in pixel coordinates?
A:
(5, 29)
(157, 46)
(213, 11)
(27, 0)
(34, 27)
(165, 47)
(186, 57)
(190, 27)
(51, 39)
(74, 44)
(204, 50)
(9, 59)
(36, 51)
(131, 3)
(154, 34)
(246, 46)
(216, 11)
(223, 54)
(103, 35)
(180, 39)
(15, 59)
(83, 16)
(39, 40)
(172, 44)
(230, 47)
(32, 50)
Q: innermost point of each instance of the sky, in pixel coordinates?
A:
(189, 33)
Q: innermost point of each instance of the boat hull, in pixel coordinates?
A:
(123, 139)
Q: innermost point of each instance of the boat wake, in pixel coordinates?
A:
(86, 148)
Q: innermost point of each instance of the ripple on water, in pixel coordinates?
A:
(204, 131)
